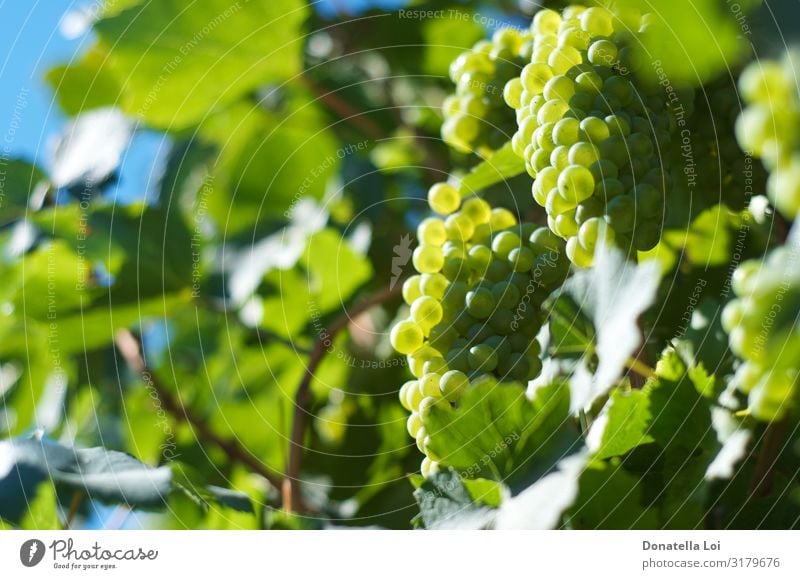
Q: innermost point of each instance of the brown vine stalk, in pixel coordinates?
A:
(290, 489)
(128, 347)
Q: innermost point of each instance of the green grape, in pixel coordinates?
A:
(502, 218)
(512, 93)
(559, 88)
(763, 331)
(403, 394)
(546, 22)
(417, 359)
(436, 365)
(429, 385)
(595, 230)
(413, 424)
(479, 257)
(621, 213)
(428, 259)
(535, 76)
(453, 384)
(431, 231)
(444, 199)
(422, 433)
(575, 183)
(576, 132)
(459, 227)
(478, 310)
(428, 467)
(477, 118)
(413, 396)
(482, 358)
(585, 154)
(433, 285)
(411, 289)
(504, 242)
(480, 303)
(578, 254)
(426, 313)
(566, 132)
(406, 337)
(478, 210)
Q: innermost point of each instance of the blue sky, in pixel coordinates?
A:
(31, 44)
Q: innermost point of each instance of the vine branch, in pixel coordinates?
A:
(345, 110)
(128, 347)
(761, 483)
(302, 400)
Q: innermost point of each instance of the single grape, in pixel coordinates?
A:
(444, 198)
(406, 337)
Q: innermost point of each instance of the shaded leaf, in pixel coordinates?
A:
(542, 504)
(445, 503)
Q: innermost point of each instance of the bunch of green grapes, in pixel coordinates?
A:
(724, 173)
(475, 117)
(763, 330)
(769, 127)
(594, 138)
(475, 303)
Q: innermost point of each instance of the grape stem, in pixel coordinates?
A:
(128, 347)
(771, 448)
(343, 109)
(74, 505)
(640, 368)
(292, 501)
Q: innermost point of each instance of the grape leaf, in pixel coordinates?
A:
(105, 475)
(613, 294)
(609, 497)
(542, 504)
(251, 183)
(178, 62)
(498, 434)
(501, 165)
(19, 179)
(622, 425)
(86, 84)
(445, 503)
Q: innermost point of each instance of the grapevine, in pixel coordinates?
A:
(762, 325)
(474, 302)
(768, 127)
(476, 119)
(593, 137)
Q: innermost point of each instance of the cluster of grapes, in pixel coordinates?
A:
(768, 127)
(763, 331)
(724, 173)
(475, 305)
(593, 139)
(476, 118)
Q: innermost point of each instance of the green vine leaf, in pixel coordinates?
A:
(502, 165)
(612, 294)
(177, 64)
(497, 433)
